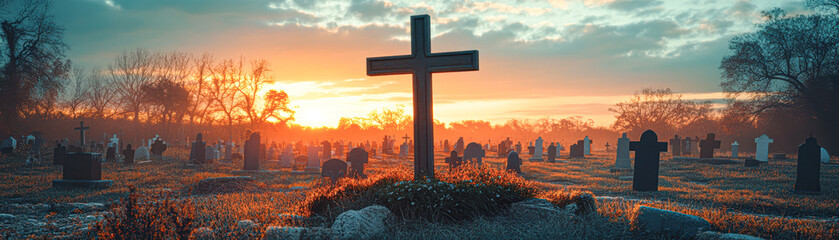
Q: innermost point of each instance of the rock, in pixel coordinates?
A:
(571, 207)
(680, 225)
(537, 208)
(202, 233)
(246, 224)
(5, 216)
(734, 236)
(283, 233)
(366, 223)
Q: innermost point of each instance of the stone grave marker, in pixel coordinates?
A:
(622, 160)
(8, 145)
(459, 146)
(513, 162)
(708, 145)
(287, 157)
(327, 150)
(59, 154)
(81, 130)
(646, 161)
(686, 146)
(502, 149)
(446, 147)
(587, 145)
(129, 154)
(825, 156)
(158, 147)
(809, 168)
(473, 151)
(608, 146)
(300, 163)
(252, 152)
(577, 150)
(735, 148)
(676, 146)
(82, 170)
(313, 163)
(552, 153)
(537, 154)
(762, 148)
(531, 149)
(453, 160)
(357, 158)
(197, 154)
(518, 147)
(334, 169)
(694, 146)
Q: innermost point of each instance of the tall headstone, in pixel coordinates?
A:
(473, 151)
(686, 147)
(559, 149)
(708, 145)
(110, 154)
(327, 150)
(129, 155)
(459, 146)
(357, 158)
(577, 150)
(197, 154)
(538, 149)
(531, 149)
(334, 169)
(446, 147)
(59, 154)
(552, 153)
(694, 146)
(518, 148)
(513, 162)
(82, 169)
(158, 147)
(502, 149)
(252, 151)
(453, 160)
(587, 145)
(300, 163)
(735, 148)
(313, 163)
(81, 130)
(676, 146)
(622, 160)
(646, 161)
(809, 167)
(762, 148)
(287, 157)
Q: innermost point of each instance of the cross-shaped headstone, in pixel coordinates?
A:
(708, 145)
(81, 130)
(421, 63)
(406, 138)
(646, 161)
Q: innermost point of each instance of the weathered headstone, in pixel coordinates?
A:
(8, 145)
(587, 145)
(287, 157)
(708, 145)
(735, 148)
(762, 148)
(81, 130)
(537, 154)
(141, 154)
(622, 160)
(577, 150)
(313, 163)
(809, 168)
(502, 149)
(552, 153)
(129, 155)
(513, 162)
(208, 153)
(531, 149)
(694, 146)
(518, 147)
(686, 147)
(110, 154)
(459, 146)
(676, 146)
(357, 158)
(334, 169)
(300, 163)
(327, 150)
(825, 156)
(646, 161)
(158, 147)
(59, 154)
(473, 151)
(446, 147)
(453, 160)
(252, 151)
(82, 169)
(197, 154)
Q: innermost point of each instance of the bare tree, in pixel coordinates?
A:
(658, 109)
(102, 100)
(130, 71)
(249, 88)
(391, 118)
(223, 90)
(198, 93)
(76, 92)
(32, 58)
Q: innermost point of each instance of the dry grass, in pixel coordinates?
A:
(755, 201)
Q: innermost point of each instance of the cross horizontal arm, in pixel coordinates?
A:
(377, 66)
(453, 61)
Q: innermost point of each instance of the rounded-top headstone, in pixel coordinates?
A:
(128, 146)
(200, 137)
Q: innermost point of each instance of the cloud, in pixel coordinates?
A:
(632, 5)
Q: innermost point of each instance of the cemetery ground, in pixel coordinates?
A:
(756, 201)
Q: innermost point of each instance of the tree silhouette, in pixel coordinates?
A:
(658, 109)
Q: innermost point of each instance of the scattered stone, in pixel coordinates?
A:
(283, 233)
(202, 233)
(246, 224)
(680, 225)
(366, 223)
(5, 216)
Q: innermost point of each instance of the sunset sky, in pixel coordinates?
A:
(538, 58)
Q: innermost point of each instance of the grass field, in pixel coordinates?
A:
(756, 201)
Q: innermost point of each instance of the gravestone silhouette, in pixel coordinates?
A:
(552, 153)
(197, 154)
(313, 163)
(327, 150)
(513, 162)
(735, 149)
(334, 169)
(537, 151)
(300, 163)
(708, 145)
(59, 154)
(809, 166)
(252, 152)
(357, 157)
(518, 147)
(421, 63)
(158, 147)
(686, 147)
(577, 150)
(676, 146)
(82, 169)
(646, 161)
(129, 155)
(459, 145)
(473, 151)
(622, 160)
(762, 148)
(446, 147)
(81, 130)
(453, 160)
(587, 145)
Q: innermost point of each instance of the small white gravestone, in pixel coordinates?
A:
(558, 149)
(734, 149)
(825, 157)
(141, 154)
(586, 146)
(537, 152)
(114, 142)
(762, 151)
(622, 160)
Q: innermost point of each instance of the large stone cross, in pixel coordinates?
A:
(421, 63)
(81, 130)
